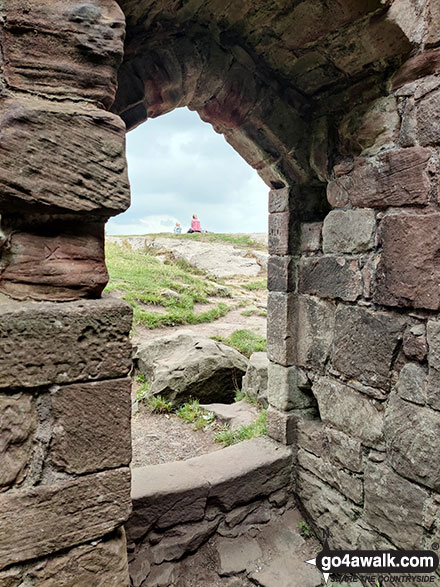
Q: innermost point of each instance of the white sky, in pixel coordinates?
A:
(179, 166)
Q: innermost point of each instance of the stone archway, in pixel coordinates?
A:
(312, 96)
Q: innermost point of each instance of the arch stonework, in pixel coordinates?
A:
(336, 105)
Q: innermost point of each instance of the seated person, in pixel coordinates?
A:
(195, 224)
(177, 228)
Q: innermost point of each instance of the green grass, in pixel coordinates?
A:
(245, 342)
(159, 405)
(241, 395)
(249, 312)
(227, 436)
(255, 285)
(192, 413)
(141, 278)
(143, 392)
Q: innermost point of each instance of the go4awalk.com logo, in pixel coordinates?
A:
(388, 566)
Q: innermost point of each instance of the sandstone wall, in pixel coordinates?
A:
(339, 97)
(64, 389)
(353, 383)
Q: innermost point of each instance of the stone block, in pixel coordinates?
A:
(282, 239)
(72, 50)
(412, 383)
(364, 344)
(281, 425)
(338, 192)
(281, 327)
(394, 178)
(254, 383)
(412, 435)
(279, 200)
(310, 436)
(433, 393)
(77, 567)
(347, 484)
(18, 419)
(87, 417)
(344, 450)
(394, 506)
(310, 237)
(330, 277)
(86, 150)
(314, 334)
(282, 273)
(61, 267)
(348, 231)
(75, 341)
(284, 390)
(433, 33)
(344, 408)
(414, 342)
(329, 510)
(428, 119)
(54, 517)
(408, 272)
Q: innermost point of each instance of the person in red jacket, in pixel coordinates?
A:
(195, 224)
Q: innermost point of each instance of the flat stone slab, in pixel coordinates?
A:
(172, 493)
(236, 415)
(237, 555)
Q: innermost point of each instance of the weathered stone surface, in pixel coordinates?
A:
(53, 517)
(216, 259)
(349, 411)
(348, 231)
(417, 67)
(279, 200)
(175, 493)
(428, 119)
(236, 415)
(76, 341)
(254, 383)
(64, 267)
(310, 237)
(78, 566)
(365, 343)
(433, 35)
(87, 417)
(433, 333)
(281, 426)
(394, 506)
(183, 366)
(86, 150)
(281, 327)
(49, 47)
(344, 450)
(282, 240)
(182, 539)
(414, 342)
(285, 390)
(347, 484)
(412, 435)
(17, 423)
(409, 271)
(330, 277)
(237, 557)
(315, 327)
(394, 178)
(329, 510)
(282, 273)
(412, 383)
(310, 435)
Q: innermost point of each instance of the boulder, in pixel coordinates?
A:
(255, 380)
(182, 367)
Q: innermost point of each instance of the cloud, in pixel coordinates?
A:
(179, 166)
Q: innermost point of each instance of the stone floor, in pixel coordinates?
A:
(268, 555)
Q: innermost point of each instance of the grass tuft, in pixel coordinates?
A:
(245, 341)
(255, 285)
(228, 436)
(192, 413)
